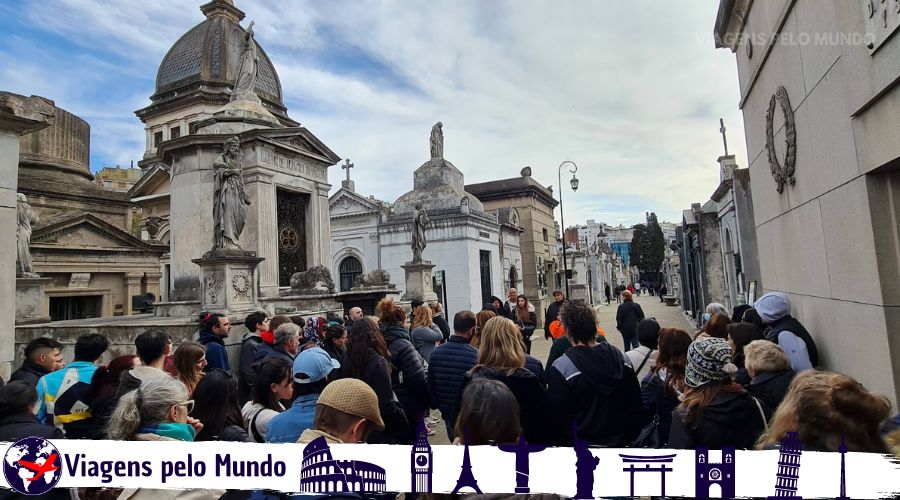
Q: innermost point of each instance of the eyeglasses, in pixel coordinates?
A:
(189, 405)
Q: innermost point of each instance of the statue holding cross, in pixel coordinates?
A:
(347, 184)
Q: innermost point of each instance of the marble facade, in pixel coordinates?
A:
(826, 236)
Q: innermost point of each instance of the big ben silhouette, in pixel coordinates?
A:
(420, 461)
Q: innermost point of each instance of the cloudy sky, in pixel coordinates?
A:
(630, 91)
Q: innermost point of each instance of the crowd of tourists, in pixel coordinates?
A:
(743, 380)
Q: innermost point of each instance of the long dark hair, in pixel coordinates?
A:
(216, 404)
(672, 355)
(522, 312)
(331, 333)
(270, 371)
(488, 414)
(364, 335)
(742, 334)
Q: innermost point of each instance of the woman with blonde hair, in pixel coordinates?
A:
(826, 408)
(425, 334)
(769, 370)
(501, 357)
(480, 319)
(189, 360)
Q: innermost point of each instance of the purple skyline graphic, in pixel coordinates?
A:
(522, 451)
(420, 461)
(788, 468)
(648, 460)
(585, 465)
(466, 478)
(709, 473)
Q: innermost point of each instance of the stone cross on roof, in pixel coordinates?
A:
(348, 184)
(722, 131)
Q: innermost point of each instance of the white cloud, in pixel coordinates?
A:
(632, 92)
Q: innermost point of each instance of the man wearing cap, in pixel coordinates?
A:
(311, 370)
(774, 309)
(347, 412)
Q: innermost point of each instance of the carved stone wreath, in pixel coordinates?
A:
(782, 173)
(241, 283)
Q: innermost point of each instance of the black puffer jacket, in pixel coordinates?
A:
(733, 419)
(29, 373)
(770, 388)
(407, 374)
(446, 371)
(17, 426)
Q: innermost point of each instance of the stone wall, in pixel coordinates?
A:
(828, 240)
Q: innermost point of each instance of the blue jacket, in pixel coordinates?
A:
(446, 370)
(79, 374)
(287, 426)
(535, 366)
(216, 356)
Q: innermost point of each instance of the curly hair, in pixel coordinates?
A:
(825, 407)
(390, 313)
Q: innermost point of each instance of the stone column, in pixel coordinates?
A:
(261, 230)
(19, 115)
(132, 288)
(152, 284)
(321, 254)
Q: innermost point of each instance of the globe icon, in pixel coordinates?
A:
(32, 466)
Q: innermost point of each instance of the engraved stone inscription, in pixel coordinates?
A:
(303, 168)
(882, 20)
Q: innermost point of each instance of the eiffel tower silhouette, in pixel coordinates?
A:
(466, 479)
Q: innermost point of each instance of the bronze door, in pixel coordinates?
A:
(291, 235)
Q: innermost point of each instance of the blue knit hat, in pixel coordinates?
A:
(708, 360)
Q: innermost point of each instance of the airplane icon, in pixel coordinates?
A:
(47, 466)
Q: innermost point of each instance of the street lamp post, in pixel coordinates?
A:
(562, 218)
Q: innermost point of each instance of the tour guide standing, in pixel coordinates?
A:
(215, 329)
(552, 313)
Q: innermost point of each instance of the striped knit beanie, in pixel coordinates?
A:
(708, 360)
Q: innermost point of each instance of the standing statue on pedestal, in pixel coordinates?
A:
(420, 221)
(248, 71)
(230, 200)
(26, 217)
(437, 141)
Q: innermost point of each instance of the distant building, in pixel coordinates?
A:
(118, 179)
(534, 204)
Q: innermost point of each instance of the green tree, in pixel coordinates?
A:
(640, 246)
(656, 254)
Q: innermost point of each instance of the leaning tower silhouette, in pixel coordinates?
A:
(788, 468)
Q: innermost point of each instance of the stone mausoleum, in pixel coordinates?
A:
(821, 121)
(215, 87)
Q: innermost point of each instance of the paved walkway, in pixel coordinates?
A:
(667, 316)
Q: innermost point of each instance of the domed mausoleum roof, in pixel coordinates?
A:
(204, 62)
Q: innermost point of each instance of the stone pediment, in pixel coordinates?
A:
(346, 202)
(300, 139)
(155, 181)
(82, 231)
